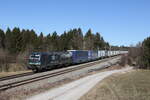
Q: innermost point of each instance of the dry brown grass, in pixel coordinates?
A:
(133, 85)
(3, 74)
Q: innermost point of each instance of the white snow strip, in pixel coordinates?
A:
(76, 89)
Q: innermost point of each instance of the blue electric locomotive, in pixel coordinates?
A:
(39, 61)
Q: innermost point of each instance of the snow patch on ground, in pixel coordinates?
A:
(76, 89)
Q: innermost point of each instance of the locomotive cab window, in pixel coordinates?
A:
(34, 59)
(53, 57)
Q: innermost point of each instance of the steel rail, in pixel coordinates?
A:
(49, 75)
(15, 76)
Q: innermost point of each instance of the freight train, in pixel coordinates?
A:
(39, 61)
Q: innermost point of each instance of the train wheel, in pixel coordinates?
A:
(35, 70)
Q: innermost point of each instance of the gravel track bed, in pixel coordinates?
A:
(45, 84)
(38, 74)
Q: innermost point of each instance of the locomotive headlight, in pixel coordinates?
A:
(33, 63)
(39, 63)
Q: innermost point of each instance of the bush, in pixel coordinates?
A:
(123, 60)
(133, 55)
(9, 63)
(140, 55)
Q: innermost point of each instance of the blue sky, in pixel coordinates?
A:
(120, 22)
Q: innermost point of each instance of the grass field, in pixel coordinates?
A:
(134, 85)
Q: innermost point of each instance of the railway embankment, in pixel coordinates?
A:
(36, 87)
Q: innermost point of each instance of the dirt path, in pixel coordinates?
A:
(76, 89)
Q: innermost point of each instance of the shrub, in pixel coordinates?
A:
(140, 55)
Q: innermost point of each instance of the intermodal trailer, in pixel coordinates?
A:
(101, 54)
(92, 55)
(79, 56)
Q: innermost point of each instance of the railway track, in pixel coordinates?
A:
(53, 74)
(16, 76)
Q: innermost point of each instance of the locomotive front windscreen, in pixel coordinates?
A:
(34, 59)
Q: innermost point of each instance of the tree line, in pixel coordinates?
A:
(16, 41)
